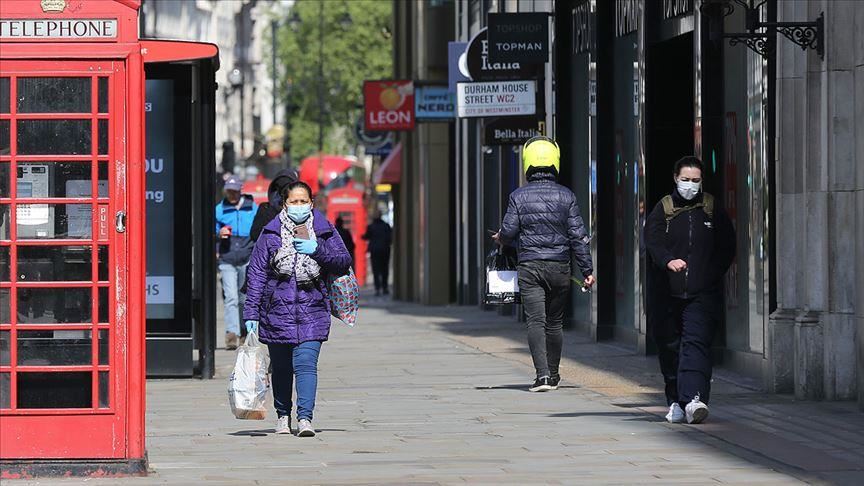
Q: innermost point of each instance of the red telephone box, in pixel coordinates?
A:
(71, 213)
(347, 203)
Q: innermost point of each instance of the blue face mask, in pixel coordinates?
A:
(299, 213)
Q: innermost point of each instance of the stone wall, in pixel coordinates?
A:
(820, 207)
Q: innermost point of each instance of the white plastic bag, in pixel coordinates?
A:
(248, 384)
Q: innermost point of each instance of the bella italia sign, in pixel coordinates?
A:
(17, 29)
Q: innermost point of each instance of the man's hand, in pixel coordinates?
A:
(225, 232)
(590, 281)
(496, 237)
(677, 265)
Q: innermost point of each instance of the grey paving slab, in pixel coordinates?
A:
(437, 396)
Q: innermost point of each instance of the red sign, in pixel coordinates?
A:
(389, 105)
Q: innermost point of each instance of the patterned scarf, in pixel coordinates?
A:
(287, 262)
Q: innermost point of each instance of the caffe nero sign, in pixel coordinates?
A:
(475, 63)
(519, 37)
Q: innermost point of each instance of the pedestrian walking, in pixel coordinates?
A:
(288, 300)
(234, 215)
(270, 209)
(692, 241)
(543, 222)
(380, 237)
(347, 238)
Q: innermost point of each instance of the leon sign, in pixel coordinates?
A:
(497, 98)
(389, 105)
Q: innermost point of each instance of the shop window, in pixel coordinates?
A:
(54, 305)
(54, 95)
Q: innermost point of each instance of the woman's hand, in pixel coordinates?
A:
(251, 326)
(305, 247)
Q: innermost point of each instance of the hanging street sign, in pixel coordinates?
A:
(519, 37)
(455, 50)
(370, 140)
(389, 105)
(434, 103)
(511, 130)
(497, 98)
(475, 63)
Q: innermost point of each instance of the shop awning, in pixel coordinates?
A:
(390, 170)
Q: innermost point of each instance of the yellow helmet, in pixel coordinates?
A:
(540, 152)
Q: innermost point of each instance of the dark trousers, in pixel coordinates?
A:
(683, 336)
(380, 268)
(545, 288)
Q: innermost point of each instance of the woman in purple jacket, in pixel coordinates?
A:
(288, 295)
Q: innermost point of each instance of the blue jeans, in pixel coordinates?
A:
(290, 360)
(233, 278)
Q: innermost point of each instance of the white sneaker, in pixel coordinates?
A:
(675, 415)
(696, 411)
(305, 429)
(283, 425)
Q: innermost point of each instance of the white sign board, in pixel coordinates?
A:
(11, 29)
(496, 98)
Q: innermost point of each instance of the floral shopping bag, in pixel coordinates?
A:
(345, 297)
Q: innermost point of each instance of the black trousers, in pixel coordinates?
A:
(683, 334)
(545, 289)
(380, 268)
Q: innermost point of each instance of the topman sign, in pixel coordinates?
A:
(28, 29)
(519, 37)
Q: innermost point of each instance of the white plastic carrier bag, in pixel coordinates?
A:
(249, 383)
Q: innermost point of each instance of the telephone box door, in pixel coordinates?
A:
(63, 281)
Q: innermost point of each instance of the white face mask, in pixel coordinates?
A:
(689, 189)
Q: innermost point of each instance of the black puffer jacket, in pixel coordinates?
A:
(544, 223)
(706, 244)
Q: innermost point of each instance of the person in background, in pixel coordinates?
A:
(380, 237)
(543, 222)
(288, 300)
(270, 209)
(234, 215)
(691, 244)
(347, 238)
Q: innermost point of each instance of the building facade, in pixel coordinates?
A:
(631, 87)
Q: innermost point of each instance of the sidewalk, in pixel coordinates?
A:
(419, 395)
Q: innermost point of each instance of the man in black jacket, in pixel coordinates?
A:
(543, 222)
(691, 244)
(380, 237)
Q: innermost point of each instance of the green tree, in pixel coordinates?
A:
(351, 55)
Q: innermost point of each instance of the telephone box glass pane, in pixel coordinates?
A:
(55, 390)
(103, 137)
(57, 179)
(4, 137)
(104, 395)
(5, 263)
(54, 348)
(54, 95)
(54, 306)
(5, 390)
(103, 346)
(103, 263)
(5, 223)
(4, 180)
(103, 95)
(54, 221)
(54, 137)
(55, 264)
(5, 355)
(5, 307)
(4, 95)
(103, 305)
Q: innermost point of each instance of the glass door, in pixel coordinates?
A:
(62, 258)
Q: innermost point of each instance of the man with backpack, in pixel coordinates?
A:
(544, 224)
(691, 244)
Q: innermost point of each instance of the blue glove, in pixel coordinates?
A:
(306, 247)
(251, 326)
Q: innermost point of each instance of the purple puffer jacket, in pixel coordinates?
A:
(286, 314)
